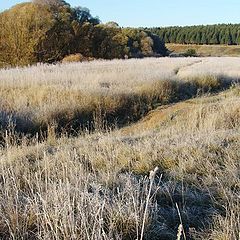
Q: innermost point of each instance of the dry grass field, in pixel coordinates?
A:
(207, 50)
(122, 149)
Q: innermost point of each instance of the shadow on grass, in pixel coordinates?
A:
(128, 108)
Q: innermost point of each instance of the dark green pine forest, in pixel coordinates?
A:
(228, 34)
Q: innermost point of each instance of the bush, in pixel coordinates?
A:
(191, 52)
(78, 57)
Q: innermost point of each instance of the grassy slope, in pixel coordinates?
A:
(120, 91)
(206, 50)
(95, 186)
(167, 115)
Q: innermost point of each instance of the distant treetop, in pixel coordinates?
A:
(50, 2)
(112, 24)
(228, 34)
(48, 30)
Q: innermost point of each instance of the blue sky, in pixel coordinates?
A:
(137, 13)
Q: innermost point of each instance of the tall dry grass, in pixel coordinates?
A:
(99, 94)
(96, 186)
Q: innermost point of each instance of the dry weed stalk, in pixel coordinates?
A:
(151, 178)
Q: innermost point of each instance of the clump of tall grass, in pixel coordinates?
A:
(78, 57)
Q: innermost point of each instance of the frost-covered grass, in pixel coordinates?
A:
(213, 66)
(96, 186)
(102, 92)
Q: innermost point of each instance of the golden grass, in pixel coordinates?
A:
(167, 115)
(63, 187)
(102, 93)
(96, 186)
(206, 50)
(77, 57)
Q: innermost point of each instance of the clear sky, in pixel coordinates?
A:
(141, 13)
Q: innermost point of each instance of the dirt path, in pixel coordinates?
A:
(188, 65)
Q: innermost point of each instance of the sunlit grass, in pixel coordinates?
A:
(97, 186)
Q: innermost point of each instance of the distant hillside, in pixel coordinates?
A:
(206, 50)
(210, 34)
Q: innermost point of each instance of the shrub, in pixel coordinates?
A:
(191, 52)
(78, 57)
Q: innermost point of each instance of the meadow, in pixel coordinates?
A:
(207, 50)
(121, 149)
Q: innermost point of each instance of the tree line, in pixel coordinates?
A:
(228, 34)
(48, 30)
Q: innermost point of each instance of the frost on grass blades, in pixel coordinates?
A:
(181, 117)
(104, 93)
